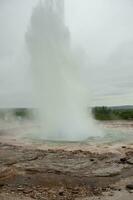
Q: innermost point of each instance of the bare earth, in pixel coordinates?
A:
(65, 172)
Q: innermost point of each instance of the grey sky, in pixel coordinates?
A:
(101, 29)
(104, 29)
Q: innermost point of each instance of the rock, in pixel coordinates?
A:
(123, 160)
(75, 191)
(130, 161)
(92, 160)
(111, 194)
(108, 172)
(1, 185)
(61, 192)
(27, 190)
(20, 188)
(6, 173)
(123, 147)
(129, 186)
(32, 195)
(126, 161)
(11, 162)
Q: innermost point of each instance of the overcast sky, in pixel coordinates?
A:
(102, 30)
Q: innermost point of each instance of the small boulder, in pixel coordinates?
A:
(129, 186)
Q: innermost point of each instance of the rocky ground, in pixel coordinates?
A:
(28, 173)
(33, 169)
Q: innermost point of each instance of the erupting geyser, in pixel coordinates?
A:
(62, 100)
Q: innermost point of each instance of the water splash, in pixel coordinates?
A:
(62, 99)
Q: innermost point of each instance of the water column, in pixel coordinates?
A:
(62, 99)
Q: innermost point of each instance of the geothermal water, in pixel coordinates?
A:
(62, 99)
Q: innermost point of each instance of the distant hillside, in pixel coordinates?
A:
(124, 107)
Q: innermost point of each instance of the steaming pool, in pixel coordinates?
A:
(25, 132)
